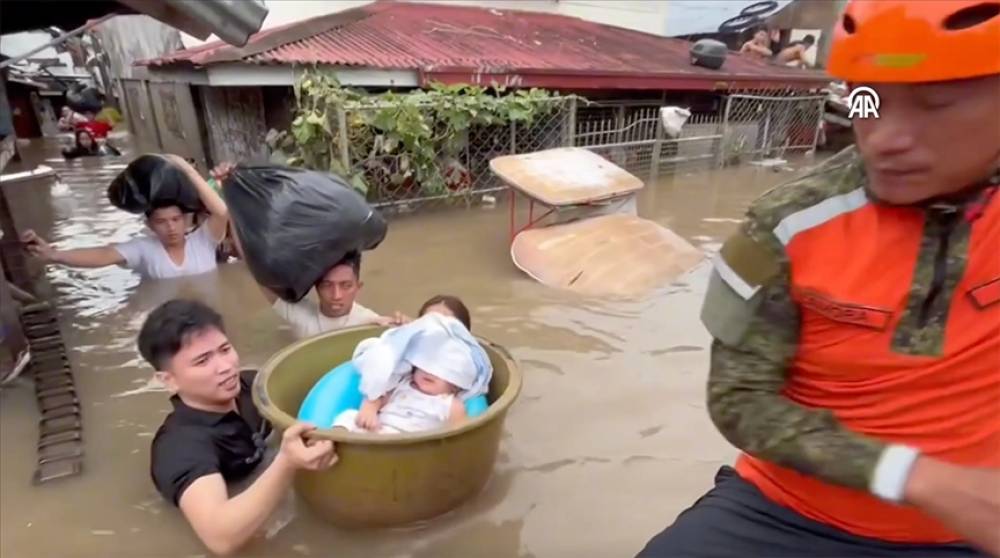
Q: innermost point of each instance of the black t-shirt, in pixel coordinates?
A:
(192, 443)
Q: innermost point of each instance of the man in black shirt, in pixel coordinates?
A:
(214, 438)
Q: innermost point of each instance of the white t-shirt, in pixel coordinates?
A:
(307, 320)
(147, 255)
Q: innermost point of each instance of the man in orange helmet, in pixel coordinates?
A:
(856, 316)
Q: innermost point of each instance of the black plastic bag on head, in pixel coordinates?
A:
(153, 181)
(85, 99)
(295, 224)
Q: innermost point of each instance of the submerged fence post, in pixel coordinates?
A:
(766, 144)
(570, 135)
(819, 124)
(721, 153)
(345, 152)
(654, 159)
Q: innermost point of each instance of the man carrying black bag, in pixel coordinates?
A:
(300, 230)
(171, 251)
(334, 308)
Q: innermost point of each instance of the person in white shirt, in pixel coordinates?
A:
(334, 306)
(170, 251)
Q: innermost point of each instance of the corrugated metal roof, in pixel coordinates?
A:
(480, 45)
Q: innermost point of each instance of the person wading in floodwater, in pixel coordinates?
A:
(335, 306)
(210, 457)
(169, 252)
(856, 317)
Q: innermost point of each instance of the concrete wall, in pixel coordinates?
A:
(641, 15)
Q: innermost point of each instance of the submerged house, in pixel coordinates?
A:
(216, 102)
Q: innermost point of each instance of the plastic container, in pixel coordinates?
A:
(386, 480)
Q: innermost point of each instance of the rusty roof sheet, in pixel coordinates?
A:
(457, 44)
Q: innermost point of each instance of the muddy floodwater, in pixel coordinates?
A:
(608, 442)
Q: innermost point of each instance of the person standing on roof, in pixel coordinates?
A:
(795, 53)
(856, 316)
(759, 45)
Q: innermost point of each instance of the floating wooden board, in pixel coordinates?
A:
(38, 172)
(612, 255)
(565, 176)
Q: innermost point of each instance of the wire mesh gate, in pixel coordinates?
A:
(756, 126)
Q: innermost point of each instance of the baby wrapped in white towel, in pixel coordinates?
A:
(417, 377)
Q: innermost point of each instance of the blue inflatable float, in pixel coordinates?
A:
(339, 390)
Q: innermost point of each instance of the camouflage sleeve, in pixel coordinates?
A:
(755, 323)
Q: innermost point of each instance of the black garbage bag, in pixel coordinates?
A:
(152, 181)
(295, 224)
(85, 99)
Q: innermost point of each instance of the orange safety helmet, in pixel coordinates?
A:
(916, 41)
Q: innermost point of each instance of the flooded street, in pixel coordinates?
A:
(609, 440)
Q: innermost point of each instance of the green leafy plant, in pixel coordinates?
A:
(390, 142)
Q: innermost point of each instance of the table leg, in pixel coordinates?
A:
(513, 211)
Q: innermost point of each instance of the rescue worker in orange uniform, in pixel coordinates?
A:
(856, 316)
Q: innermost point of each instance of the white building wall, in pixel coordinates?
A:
(648, 16)
(642, 15)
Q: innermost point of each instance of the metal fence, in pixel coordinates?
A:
(463, 162)
(630, 134)
(746, 126)
(758, 125)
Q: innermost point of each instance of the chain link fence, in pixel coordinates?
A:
(462, 162)
(631, 135)
(746, 126)
(758, 125)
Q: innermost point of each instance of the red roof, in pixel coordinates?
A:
(460, 44)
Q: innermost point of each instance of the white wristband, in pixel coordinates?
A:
(892, 472)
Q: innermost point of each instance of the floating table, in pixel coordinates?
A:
(616, 254)
(559, 179)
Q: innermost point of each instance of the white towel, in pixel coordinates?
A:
(440, 345)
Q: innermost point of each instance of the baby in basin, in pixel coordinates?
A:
(417, 377)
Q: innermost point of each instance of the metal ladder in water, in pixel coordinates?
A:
(60, 428)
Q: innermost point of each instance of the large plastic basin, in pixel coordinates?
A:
(386, 480)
